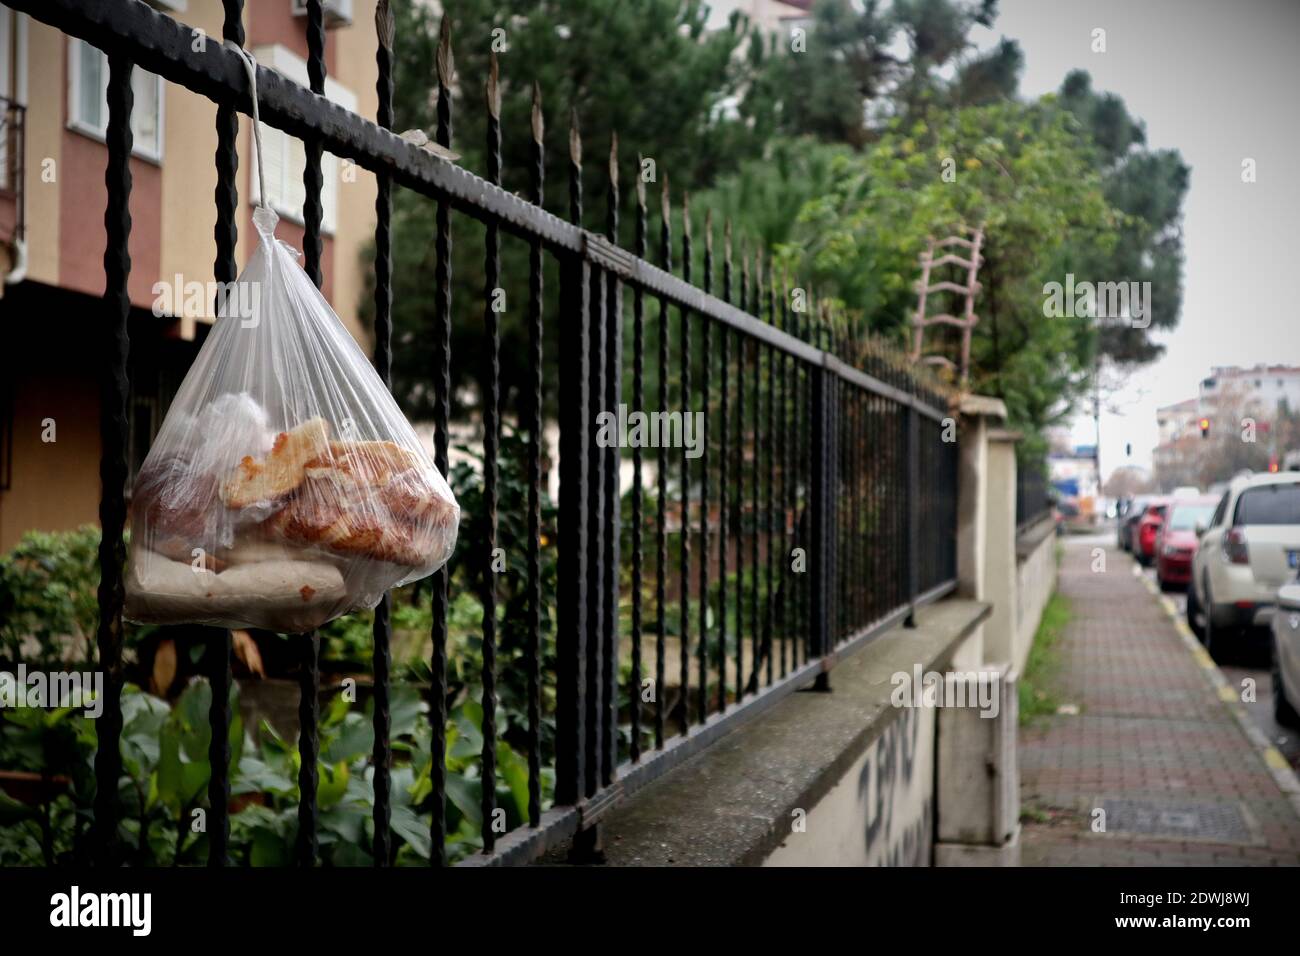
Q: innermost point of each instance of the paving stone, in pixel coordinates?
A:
(1153, 744)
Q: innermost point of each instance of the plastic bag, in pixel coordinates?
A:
(285, 487)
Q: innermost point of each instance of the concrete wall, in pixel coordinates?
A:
(881, 813)
(1035, 582)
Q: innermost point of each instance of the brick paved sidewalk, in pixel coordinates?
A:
(1153, 744)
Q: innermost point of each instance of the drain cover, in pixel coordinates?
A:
(1219, 822)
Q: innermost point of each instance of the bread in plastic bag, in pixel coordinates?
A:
(285, 487)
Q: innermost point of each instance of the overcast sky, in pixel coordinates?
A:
(1220, 81)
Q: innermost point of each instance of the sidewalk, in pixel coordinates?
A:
(1153, 744)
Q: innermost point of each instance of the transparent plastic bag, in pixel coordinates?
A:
(285, 487)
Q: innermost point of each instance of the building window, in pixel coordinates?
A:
(284, 154)
(88, 100)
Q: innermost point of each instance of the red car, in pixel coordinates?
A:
(1146, 529)
(1177, 539)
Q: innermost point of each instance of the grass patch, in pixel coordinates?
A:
(1036, 695)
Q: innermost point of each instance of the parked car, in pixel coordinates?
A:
(1177, 540)
(1250, 550)
(1286, 655)
(1146, 529)
(1121, 509)
(1132, 512)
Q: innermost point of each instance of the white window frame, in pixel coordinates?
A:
(292, 67)
(77, 124)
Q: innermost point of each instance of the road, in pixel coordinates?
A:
(1252, 667)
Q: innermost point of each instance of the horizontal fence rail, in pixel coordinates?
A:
(821, 510)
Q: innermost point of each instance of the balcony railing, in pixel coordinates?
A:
(12, 129)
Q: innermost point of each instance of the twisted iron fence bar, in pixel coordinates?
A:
(441, 415)
(113, 463)
(612, 519)
(593, 270)
(535, 438)
(308, 646)
(226, 234)
(381, 844)
(491, 445)
(638, 396)
(705, 559)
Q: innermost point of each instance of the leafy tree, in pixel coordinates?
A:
(1024, 171)
(849, 70)
(1147, 187)
(647, 71)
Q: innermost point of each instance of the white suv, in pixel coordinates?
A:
(1250, 549)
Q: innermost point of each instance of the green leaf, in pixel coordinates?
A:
(268, 849)
(333, 784)
(465, 793)
(411, 828)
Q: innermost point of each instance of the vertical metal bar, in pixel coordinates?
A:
(226, 234)
(801, 496)
(738, 513)
(771, 439)
(724, 491)
(491, 450)
(819, 511)
(571, 633)
(754, 444)
(879, 506)
(113, 463)
(684, 545)
(858, 538)
(661, 469)
(383, 360)
(594, 316)
(778, 541)
(308, 647)
(312, 181)
(638, 400)
(913, 527)
(533, 653)
(441, 419)
(597, 532)
(706, 379)
(308, 746)
(789, 527)
(611, 564)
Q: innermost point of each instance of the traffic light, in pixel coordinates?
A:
(1205, 428)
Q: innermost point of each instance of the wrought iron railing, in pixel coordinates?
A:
(822, 512)
(1033, 496)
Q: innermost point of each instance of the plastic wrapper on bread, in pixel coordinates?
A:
(285, 487)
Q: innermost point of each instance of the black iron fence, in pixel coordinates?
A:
(1033, 497)
(821, 512)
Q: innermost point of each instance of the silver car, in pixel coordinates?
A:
(1286, 655)
(1250, 549)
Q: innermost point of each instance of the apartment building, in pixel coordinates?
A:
(52, 237)
(1224, 397)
